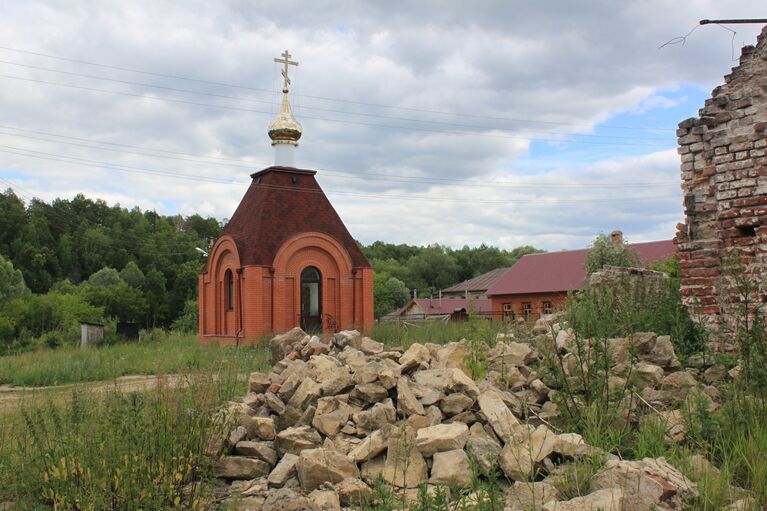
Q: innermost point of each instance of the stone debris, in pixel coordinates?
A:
(451, 468)
(335, 416)
(523, 496)
(647, 484)
(601, 500)
(442, 437)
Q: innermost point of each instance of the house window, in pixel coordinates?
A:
(548, 308)
(229, 289)
(507, 312)
(527, 310)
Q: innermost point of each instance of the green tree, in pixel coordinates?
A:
(121, 301)
(605, 252)
(76, 238)
(188, 320)
(432, 269)
(155, 290)
(12, 284)
(104, 278)
(12, 219)
(132, 275)
(389, 294)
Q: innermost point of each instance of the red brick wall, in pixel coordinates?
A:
(558, 301)
(268, 298)
(724, 179)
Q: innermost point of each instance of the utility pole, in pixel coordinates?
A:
(733, 21)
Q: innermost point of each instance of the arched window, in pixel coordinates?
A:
(229, 289)
(311, 299)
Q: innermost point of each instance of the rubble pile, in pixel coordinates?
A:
(335, 416)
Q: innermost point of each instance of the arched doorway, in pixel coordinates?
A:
(311, 299)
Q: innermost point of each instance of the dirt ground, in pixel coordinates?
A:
(12, 397)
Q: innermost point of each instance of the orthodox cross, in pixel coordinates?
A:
(286, 60)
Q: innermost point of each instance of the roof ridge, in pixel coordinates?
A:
(567, 250)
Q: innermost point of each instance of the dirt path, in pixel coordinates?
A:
(11, 397)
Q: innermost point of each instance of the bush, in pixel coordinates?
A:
(188, 321)
(114, 451)
(630, 306)
(605, 252)
(52, 339)
(38, 315)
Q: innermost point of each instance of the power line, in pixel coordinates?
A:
(341, 121)
(324, 98)
(331, 110)
(333, 173)
(175, 175)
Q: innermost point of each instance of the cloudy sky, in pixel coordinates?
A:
(504, 123)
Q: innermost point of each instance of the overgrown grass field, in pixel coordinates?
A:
(157, 353)
(95, 450)
(147, 450)
(438, 332)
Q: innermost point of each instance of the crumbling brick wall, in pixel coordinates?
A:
(724, 180)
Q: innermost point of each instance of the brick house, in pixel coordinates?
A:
(724, 179)
(538, 283)
(285, 258)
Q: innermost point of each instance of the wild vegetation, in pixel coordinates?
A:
(151, 448)
(156, 352)
(176, 424)
(82, 260)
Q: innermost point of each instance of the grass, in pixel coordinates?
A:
(109, 450)
(438, 332)
(168, 354)
(181, 353)
(112, 450)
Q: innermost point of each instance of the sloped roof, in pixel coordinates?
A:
(559, 272)
(480, 283)
(435, 306)
(282, 202)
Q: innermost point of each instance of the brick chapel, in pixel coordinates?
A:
(285, 259)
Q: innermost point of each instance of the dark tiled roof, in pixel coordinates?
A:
(280, 203)
(479, 283)
(554, 272)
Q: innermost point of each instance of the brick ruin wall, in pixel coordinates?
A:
(724, 180)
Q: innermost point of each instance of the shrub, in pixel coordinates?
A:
(605, 252)
(188, 321)
(635, 305)
(114, 451)
(39, 314)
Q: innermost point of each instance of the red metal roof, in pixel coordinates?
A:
(435, 306)
(280, 203)
(563, 271)
(480, 283)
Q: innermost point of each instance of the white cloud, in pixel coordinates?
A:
(508, 67)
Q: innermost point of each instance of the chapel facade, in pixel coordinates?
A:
(285, 259)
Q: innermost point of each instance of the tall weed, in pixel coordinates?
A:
(629, 306)
(159, 352)
(393, 333)
(113, 451)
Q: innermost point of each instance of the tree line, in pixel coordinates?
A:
(80, 259)
(404, 270)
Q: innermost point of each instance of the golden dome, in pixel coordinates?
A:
(285, 129)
